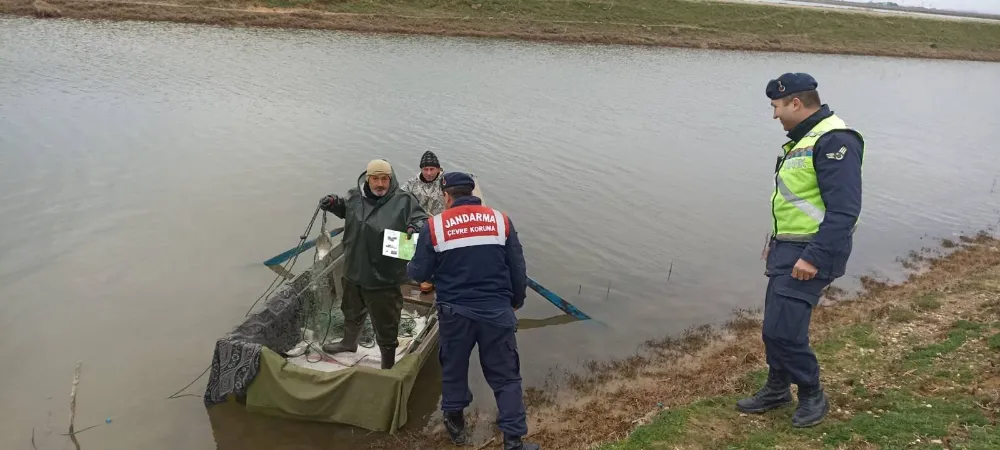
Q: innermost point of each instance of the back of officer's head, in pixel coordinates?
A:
(806, 99)
(456, 185)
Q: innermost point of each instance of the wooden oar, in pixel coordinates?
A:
(280, 258)
(565, 306)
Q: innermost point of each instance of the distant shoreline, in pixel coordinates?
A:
(884, 6)
(671, 23)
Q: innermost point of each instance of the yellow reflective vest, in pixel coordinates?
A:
(796, 204)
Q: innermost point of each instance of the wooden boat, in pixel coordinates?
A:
(273, 362)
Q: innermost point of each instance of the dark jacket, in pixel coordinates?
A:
(840, 187)
(365, 218)
(483, 282)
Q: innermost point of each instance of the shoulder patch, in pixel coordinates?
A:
(837, 155)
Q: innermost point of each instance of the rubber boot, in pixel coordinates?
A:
(454, 422)
(349, 344)
(813, 407)
(776, 393)
(388, 357)
(515, 443)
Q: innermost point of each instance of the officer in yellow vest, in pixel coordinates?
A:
(815, 207)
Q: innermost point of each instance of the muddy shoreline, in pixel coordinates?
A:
(706, 367)
(684, 33)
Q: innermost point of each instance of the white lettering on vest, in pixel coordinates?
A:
(469, 217)
(468, 229)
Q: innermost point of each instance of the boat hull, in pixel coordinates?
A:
(250, 365)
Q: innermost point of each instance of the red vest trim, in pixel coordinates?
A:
(467, 226)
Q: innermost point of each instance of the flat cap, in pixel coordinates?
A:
(455, 179)
(790, 83)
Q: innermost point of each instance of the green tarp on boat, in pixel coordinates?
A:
(257, 363)
(369, 398)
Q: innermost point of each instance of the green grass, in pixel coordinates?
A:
(905, 417)
(722, 25)
(928, 302)
(715, 20)
(961, 332)
(665, 427)
(994, 342)
(899, 315)
(888, 417)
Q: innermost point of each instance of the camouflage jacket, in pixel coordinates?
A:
(430, 195)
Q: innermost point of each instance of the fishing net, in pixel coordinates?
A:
(302, 308)
(329, 327)
(323, 320)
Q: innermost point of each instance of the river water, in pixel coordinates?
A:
(147, 169)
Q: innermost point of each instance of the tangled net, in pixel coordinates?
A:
(322, 321)
(322, 314)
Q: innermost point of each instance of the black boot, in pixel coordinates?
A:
(775, 394)
(515, 443)
(349, 344)
(813, 407)
(388, 357)
(454, 422)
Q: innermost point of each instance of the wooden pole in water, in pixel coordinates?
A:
(72, 405)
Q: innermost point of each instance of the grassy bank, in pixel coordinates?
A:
(910, 365)
(677, 23)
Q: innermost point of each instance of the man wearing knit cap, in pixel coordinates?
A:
(371, 281)
(427, 184)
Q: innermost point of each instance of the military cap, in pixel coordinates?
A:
(790, 83)
(456, 179)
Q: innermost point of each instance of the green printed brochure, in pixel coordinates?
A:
(397, 245)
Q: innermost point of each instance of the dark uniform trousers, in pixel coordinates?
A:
(498, 357)
(384, 305)
(788, 307)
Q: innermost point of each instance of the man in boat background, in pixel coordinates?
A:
(472, 254)
(815, 205)
(426, 186)
(371, 281)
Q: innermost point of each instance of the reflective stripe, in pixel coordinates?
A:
(795, 237)
(443, 244)
(501, 225)
(470, 242)
(808, 151)
(804, 237)
(808, 208)
(438, 230)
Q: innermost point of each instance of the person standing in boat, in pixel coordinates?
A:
(426, 185)
(371, 281)
(474, 257)
(815, 205)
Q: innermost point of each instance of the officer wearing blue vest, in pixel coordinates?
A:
(472, 255)
(815, 207)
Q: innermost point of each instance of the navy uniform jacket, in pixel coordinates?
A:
(840, 186)
(481, 282)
